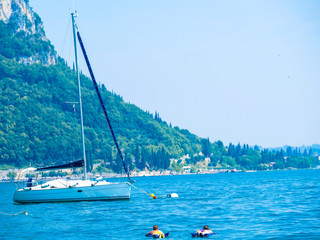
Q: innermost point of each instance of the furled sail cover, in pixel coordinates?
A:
(76, 164)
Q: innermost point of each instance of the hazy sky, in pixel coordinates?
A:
(237, 71)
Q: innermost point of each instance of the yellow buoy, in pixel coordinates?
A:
(152, 195)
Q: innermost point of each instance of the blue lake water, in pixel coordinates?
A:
(259, 205)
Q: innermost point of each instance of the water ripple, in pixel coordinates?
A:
(262, 205)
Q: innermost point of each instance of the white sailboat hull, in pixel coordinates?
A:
(101, 192)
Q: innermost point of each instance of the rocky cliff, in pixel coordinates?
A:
(26, 25)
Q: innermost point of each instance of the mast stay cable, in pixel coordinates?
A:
(102, 104)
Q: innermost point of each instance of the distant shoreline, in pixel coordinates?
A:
(137, 174)
(4, 178)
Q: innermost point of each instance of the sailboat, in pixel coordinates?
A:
(63, 190)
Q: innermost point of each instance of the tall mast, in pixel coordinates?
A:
(73, 15)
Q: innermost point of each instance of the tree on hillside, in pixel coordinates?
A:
(118, 165)
(231, 150)
(310, 152)
(228, 162)
(238, 150)
(289, 151)
(206, 147)
(11, 175)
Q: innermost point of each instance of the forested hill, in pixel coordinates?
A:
(37, 124)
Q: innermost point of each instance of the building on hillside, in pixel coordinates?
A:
(186, 169)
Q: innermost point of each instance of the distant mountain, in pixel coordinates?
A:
(39, 126)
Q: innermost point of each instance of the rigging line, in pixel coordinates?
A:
(153, 196)
(102, 104)
(66, 35)
(13, 214)
(140, 189)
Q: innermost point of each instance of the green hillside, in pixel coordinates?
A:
(38, 126)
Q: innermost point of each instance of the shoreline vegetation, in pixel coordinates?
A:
(214, 158)
(7, 176)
